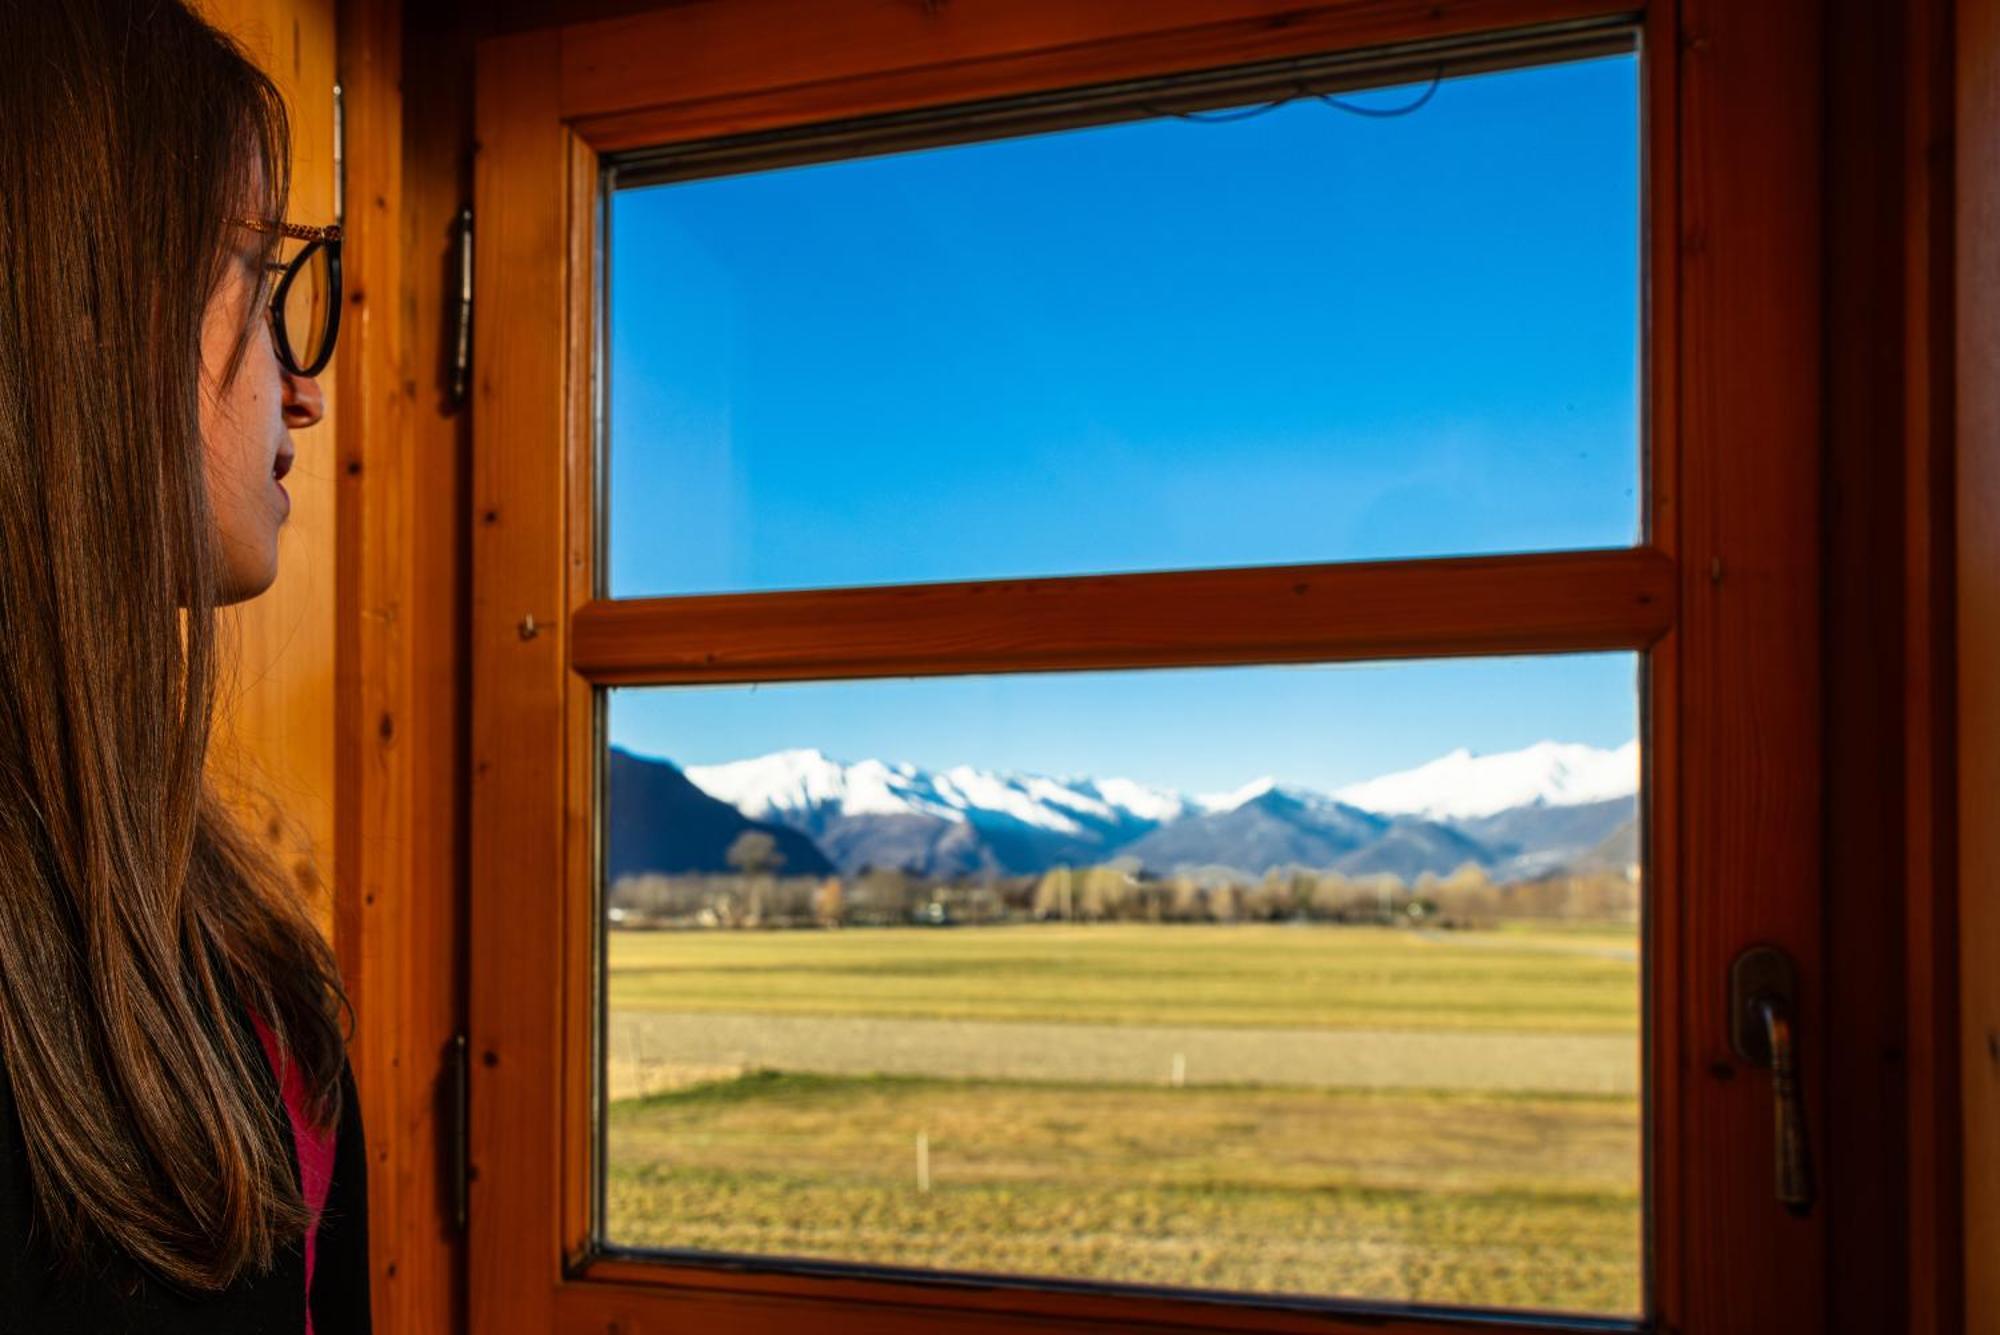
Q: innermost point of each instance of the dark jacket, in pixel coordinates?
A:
(119, 1298)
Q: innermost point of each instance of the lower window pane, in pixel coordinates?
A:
(1305, 981)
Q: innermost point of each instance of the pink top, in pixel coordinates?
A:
(315, 1147)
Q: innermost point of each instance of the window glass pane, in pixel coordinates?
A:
(1301, 335)
(1295, 980)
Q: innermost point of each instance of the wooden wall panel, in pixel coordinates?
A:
(277, 738)
(348, 729)
(428, 1292)
(401, 706)
(386, 921)
(401, 695)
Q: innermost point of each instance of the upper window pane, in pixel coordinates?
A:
(1303, 334)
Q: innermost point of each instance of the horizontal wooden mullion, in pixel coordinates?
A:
(1546, 603)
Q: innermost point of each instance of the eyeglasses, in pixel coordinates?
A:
(305, 306)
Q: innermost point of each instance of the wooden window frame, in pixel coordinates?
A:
(1722, 602)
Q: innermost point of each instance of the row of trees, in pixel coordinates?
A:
(1465, 898)
(1113, 892)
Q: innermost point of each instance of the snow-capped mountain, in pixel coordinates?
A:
(662, 822)
(805, 786)
(1464, 786)
(1518, 812)
(943, 822)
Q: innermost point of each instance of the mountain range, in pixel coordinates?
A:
(1517, 814)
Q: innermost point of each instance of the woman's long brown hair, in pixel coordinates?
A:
(134, 914)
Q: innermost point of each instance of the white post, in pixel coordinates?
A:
(923, 1162)
(1179, 1076)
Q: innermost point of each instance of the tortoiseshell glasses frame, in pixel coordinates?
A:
(310, 357)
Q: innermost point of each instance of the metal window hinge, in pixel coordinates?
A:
(339, 153)
(457, 1077)
(461, 347)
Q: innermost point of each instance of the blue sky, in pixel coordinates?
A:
(1198, 730)
(1303, 336)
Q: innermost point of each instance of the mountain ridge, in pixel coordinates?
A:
(1516, 814)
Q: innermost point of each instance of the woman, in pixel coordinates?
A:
(180, 1146)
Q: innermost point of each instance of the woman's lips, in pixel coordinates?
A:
(283, 465)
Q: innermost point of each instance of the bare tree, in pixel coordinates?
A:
(754, 852)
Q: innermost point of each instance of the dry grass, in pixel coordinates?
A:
(1503, 1201)
(649, 1052)
(1419, 1189)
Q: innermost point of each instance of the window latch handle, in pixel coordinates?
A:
(1763, 996)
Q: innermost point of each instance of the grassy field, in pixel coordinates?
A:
(1421, 1193)
(1254, 975)
(651, 1052)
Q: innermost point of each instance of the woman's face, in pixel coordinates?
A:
(247, 424)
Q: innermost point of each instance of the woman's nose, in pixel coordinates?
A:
(304, 404)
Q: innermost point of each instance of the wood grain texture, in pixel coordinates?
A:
(398, 915)
(373, 814)
(519, 832)
(1562, 602)
(718, 67)
(583, 742)
(428, 1294)
(1977, 355)
(1749, 214)
(275, 747)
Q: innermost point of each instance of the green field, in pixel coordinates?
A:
(1422, 1188)
(1254, 975)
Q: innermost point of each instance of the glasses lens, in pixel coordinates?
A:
(308, 308)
